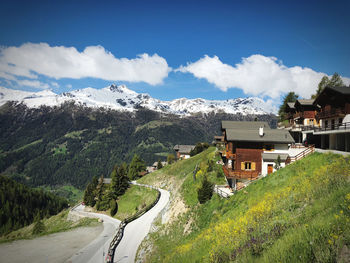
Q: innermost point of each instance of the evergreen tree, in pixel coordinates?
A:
(159, 165)
(205, 191)
(114, 207)
(90, 192)
(278, 163)
(335, 81)
(136, 166)
(120, 181)
(290, 97)
(39, 226)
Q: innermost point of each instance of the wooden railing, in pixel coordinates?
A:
(221, 192)
(239, 174)
(307, 151)
(330, 127)
(330, 113)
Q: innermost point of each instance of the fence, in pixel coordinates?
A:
(120, 232)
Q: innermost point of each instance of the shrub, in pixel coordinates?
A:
(114, 207)
(205, 191)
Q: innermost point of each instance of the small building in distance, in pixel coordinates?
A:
(251, 149)
(183, 151)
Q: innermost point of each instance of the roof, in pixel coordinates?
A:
(184, 148)
(244, 125)
(270, 135)
(107, 180)
(308, 102)
(291, 105)
(333, 95)
(273, 156)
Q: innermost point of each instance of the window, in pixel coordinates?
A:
(268, 147)
(325, 124)
(248, 166)
(340, 120)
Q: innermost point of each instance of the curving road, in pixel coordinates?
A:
(134, 233)
(97, 249)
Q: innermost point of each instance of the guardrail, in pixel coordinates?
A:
(120, 231)
(307, 151)
(220, 192)
(330, 127)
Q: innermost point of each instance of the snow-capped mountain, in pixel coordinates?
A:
(123, 99)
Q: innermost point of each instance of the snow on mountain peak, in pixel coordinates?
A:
(123, 99)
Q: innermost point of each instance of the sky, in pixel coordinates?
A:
(172, 49)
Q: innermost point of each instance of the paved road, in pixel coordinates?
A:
(137, 230)
(95, 251)
(134, 233)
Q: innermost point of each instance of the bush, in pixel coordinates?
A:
(114, 207)
(39, 226)
(205, 192)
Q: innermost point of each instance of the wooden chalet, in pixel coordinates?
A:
(251, 148)
(334, 119)
(183, 151)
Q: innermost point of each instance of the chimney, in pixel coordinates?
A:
(261, 131)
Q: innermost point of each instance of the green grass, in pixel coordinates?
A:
(72, 194)
(54, 224)
(135, 199)
(299, 214)
(27, 145)
(153, 125)
(75, 134)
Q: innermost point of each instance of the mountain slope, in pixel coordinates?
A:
(299, 214)
(123, 99)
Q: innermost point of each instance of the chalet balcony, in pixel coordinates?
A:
(330, 113)
(239, 174)
(230, 155)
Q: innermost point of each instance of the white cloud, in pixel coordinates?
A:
(257, 75)
(69, 86)
(33, 83)
(67, 62)
(55, 84)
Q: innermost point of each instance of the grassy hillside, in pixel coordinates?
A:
(298, 214)
(54, 224)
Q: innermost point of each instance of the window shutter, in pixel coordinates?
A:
(253, 166)
(242, 166)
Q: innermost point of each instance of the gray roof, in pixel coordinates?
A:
(270, 135)
(291, 105)
(306, 102)
(343, 90)
(244, 125)
(273, 157)
(184, 148)
(107, 180)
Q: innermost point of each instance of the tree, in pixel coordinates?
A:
(278, 163)
(119, 182)
(290, 97)
(90, 192)
(205, 191)
(136, 166)
(170, 158)
(39, 226)
(200, 147)
(114, 207)
(335, 81)
(159, 165)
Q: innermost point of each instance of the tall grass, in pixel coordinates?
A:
(299, 214)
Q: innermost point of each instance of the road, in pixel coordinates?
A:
(134, 233)
(137, 230)
(95, 251)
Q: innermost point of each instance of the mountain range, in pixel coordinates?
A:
(119, 97)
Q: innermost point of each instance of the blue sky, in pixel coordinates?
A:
(208, 49)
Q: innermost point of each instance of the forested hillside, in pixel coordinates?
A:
(20, 204)
(70, 144)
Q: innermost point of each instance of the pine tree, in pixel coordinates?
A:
(120, 181)
(114, 207)
(170, 158)
(39, 226)
(278, 163)
(136, 166)
(205, 192)
(290, 97)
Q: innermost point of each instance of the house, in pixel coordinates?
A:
(301, 114)
(334, 118)
(183, 151)
(251, 149)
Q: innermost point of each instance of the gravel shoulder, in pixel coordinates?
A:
(52, 248)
